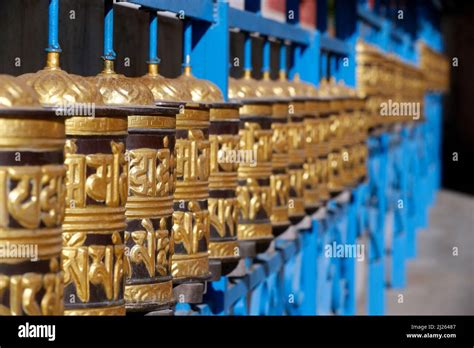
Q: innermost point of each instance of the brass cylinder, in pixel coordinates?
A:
(94, 225)
(297, 155)
(311, 167)
(222, 202)
(280, 178)
(254, 190)
(31, 203)
(191, 215)
(149, 208)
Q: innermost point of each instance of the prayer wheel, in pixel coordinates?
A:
(277, 94)
(31, 202)
(149, 206)
(218, 163)
(96, 189)
(254, 227)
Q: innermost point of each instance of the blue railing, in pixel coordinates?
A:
(296, 278)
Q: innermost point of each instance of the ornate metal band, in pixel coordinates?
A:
(31, 214)
(93, 238)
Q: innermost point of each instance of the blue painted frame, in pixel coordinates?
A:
(296, 278)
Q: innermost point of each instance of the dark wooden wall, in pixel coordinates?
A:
(458, 122)
(23, 34)
(24, 26)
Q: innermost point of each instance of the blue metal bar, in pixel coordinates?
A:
(309, 66)
(248, 53)
(198, 9)
(153, 41)
(334, 45)
(187, 43)
(282, 57)
(53, 23)
(296, 64)
(254, 23)
(369, 17)
(266, 57)
(109, 53)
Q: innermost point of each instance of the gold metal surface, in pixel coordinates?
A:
(55, 87)
(31, 203)
(165, 89)
(117, 89)
(202, 91)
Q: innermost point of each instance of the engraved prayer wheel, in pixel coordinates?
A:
(322, 103)
(222, 133)
(349, 135)
(336, 156)
(306, 94)
(360, 149)
(96, 189)
(31, 202)
(161, 129)
(254, 228)
(223, 204)
(94, 226)
(371, 80)
(191, 221)
(296, 144)
(149, 208)
(149, 205)
(303, 134)
(278, 95)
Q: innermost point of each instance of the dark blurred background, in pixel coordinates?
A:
(23, 37)
(458, 117)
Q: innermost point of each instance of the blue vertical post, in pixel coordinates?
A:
(333, 71)
(187, 44)
(324, 65)
(53, 23)
(266, 58)
(153, 39)
(247, 54)
(282, 58)
(308, 64)
(213, 63)
(109, 53)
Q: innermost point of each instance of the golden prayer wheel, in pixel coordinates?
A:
(223, 204)
(161, 176)
(149, 206)
(336, 140)
(96, 192)
(254, 228)
(371, 81)
(320, 104)
(306, 105)
(278, 95)
(434, 74)
(307, 102)
(31, 202)
(349, 135)
(191, 218)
